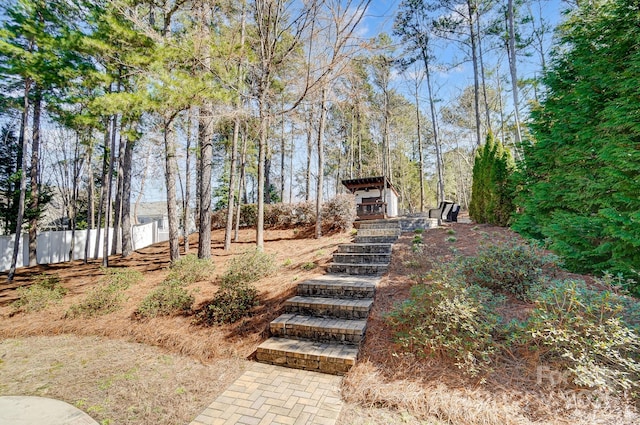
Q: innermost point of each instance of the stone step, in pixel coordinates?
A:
(329, 307)
(339, 287)
(358, 269)
(361, 248)
(358, 258)
(379, 232)
(319, 329)
(335, 359)
(382, 224)
(375, 239)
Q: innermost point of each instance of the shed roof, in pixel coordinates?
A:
(377, 182)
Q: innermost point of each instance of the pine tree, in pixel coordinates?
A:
(580, 180)
(491, 198)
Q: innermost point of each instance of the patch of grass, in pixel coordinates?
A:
(167, 299)
(190, 269)
(287, 262)
(108, 295)
(452, 239)
(418, 231)
(451, 232)
(44, 291)
(309, 266)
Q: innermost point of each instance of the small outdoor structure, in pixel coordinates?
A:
(375, 197)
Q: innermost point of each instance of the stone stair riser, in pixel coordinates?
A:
(358, 269)
(378, 225)
(328, 310)
(335, 291)
(335, 359)
(353, 258)
(364, 248)
(375, 239)
(326, 335)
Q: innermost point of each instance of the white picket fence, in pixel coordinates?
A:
(55, 246)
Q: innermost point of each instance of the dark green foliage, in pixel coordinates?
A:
(491, 195)
(509, 267)
(249, 267)
(583, 330)
(448, 318)
(9, 179)
(230, 304)
(579, 183)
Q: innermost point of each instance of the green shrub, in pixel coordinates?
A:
(190, 269)
(452, 239)
(583, 330)
(339, 213)
(508, 267)
(448, 319)
(108, 295)
(249, 267)
(167, 299)
(418, 231)
(44, 290)
(230, 304)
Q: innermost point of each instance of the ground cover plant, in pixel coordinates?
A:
(44, 291)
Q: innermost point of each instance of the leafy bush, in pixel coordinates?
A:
(190, 269)
(448, 319)
(339, 213)
(167, 299)
(108, 295)
(309, 265)
(249, 267)
(509, 267)
(44, 291)
(230, 304)
(583, 330)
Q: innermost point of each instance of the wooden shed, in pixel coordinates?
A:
(375, 197)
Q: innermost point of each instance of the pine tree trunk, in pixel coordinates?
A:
(172, 202)
(473, 38)
(232, 184)
(205, 139)
(420, 153)
(116, 242)
(90, 203)
(108, 205)
(23, 180)
(307, 188)
(103, 191)
(186, 210)
(323, 113)
(35, 179)
(127, 164)
(436, 139)
(242, 184)
(511, 48)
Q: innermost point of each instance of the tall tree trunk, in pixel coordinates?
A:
(307, 188)
(205, 139)
(107, 213)
(103, 189)
(482, 76)
(90, 202)
(420, 153)
(436, 139)
(262, 157)
(171, 171)
(116, 243)
(127, 164)
(323, 114)
(143, 180)
(23, 179)
(242, 184)
(511, 50)
(471, 8)
(35, 179)
(186, 200)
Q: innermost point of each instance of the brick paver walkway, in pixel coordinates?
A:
(267, 394)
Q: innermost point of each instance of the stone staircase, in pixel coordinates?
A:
(325, 323)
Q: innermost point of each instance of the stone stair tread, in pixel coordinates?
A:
(363, 264)
(344, 280)
(311, 350)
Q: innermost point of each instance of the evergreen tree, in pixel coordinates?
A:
(580, 180)
(9, 179)
(491, 198)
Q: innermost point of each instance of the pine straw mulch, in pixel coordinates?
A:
(436, 392)
(105, 364)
